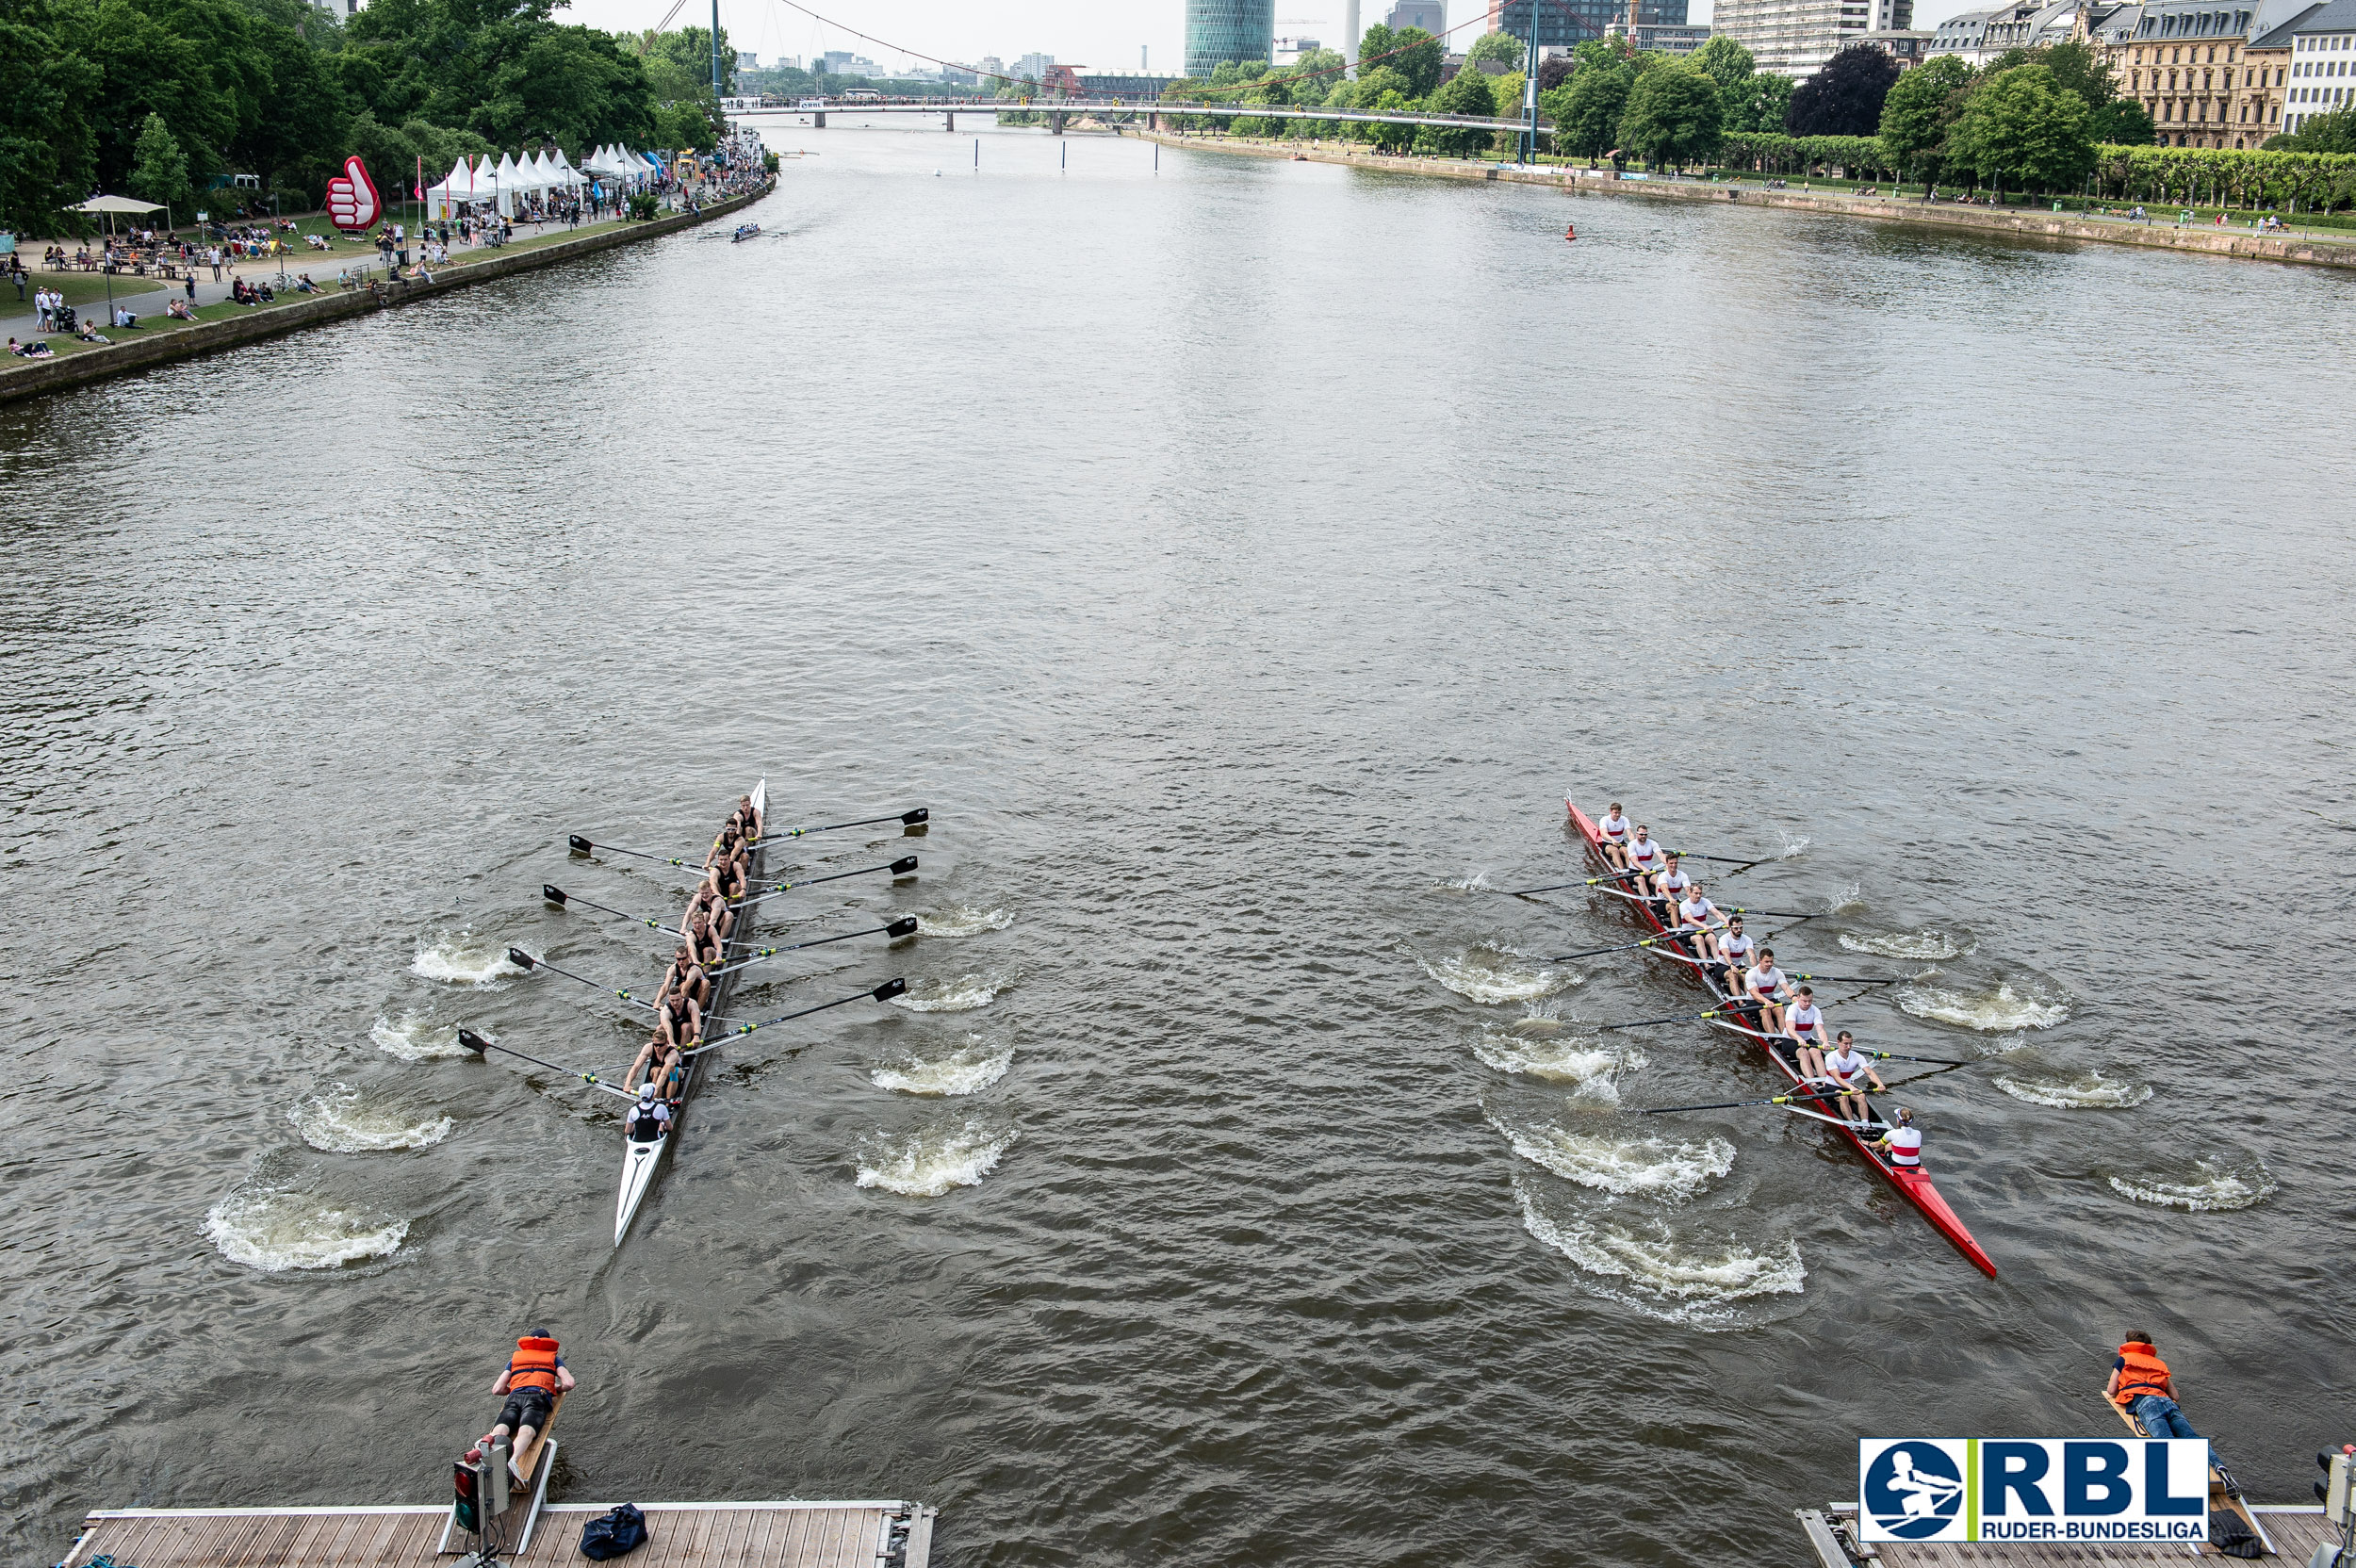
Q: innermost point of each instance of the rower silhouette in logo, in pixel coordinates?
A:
(1913, 1492)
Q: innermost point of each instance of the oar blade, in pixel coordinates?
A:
(899, 928)
(910, 818)
(553, 893)
(890, 988)
(903, 865)
(581, 845)
(469, 1040)
(521, 959)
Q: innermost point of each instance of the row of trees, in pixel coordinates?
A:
(167, 99)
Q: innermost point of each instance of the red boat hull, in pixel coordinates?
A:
(1913, 1185)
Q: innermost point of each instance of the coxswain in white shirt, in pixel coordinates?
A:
(1763, 982)
(1805, 1022)
(1848, 1067)
(1736, 948)
(1696, 917)
(1645, 857)
(1903, 1143)
(1615, 831)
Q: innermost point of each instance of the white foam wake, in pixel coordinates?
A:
(928, 1162)
(1489, 976)
(960, 994)
(1924, 942)
(1652, 1269)
(338, 1122)
(2090, 1090)
(414, 1037)
(283, 1229)
(463, 959)
(1793, 848)
(2214, 1187)
(962, 920)
(972, 1067)
(1477, 883)
(1594, 1068)
(1646, 1168)
(1995, 1011)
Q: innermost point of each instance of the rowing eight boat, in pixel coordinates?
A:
(1914, 1185)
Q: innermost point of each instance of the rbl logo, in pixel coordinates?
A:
(352, 204)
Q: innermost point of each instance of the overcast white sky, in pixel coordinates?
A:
(1103, 35)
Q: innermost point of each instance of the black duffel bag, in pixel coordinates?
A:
(613, 1534)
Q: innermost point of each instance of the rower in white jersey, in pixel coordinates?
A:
(1849, 1070)
(1671, 886)
(1645, 856)
(1615, 831)
(1697, 916)
(1805, 1022)
(1735, 948)
(1763, 983)
(1903, 1143)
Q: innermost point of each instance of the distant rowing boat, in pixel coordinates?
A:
(1913, 1185)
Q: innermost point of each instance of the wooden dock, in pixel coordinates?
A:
(791, 1534)
(2295, 1530)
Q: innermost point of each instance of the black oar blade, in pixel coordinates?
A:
(521, 959)
(888, 990)
(912, 818)
(903, 865)
(553, 893)
(469, 1040)
(583, 846)
(899, 928)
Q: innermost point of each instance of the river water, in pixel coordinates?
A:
(1241, 559)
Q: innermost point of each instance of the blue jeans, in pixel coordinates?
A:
(2160, 1417)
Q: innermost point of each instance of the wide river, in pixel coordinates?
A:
(1242, 559)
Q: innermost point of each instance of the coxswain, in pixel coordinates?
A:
(1613, 834)
(1845, 1066)
(649, 1118)
(1645, 859)
(1763, 983)
(1902, 1145)
(1696, 917)
(532, 1379)
(2140, 1385)
(1805, 1022)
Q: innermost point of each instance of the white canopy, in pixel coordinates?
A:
(116, 204)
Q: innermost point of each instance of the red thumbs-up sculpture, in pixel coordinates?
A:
(352, 204)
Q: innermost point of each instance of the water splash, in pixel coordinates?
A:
(960, 994)
(1793, 848)
(1558, 1059)
(962, 920)
(414, 1037)
(1477, 883)
(928, 1162)
(2090, 1090)
(463, 959)
(1657, 1272)
(1924, 942)
(1631, 1168)
(1849, 896)
(2030, 1006)
(338, 1122)
(968, 1068)
(2215, 1186)
(280, 1229)
(1490, 975)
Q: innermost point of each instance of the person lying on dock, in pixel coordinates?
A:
(2140, 1385)
(532, 1379)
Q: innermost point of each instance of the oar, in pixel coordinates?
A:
(901, 867)
(884, 992)
(583, 847)
(1590, 882)
(1850, 979)
(1941, 1061)
(558, 896)
(1740, 865)
(1726, 1104)
(468, 1040)
(521, 959)
(1773, 936)
(909, 819)
(1623, 947)
(1683, 1018)
(898, 929)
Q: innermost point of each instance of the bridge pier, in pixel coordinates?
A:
(1054, 122)
(1153, 122)
(819, 118)
(949, 121)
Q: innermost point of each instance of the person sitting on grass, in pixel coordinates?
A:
(125, 319)
(90, 333)
(178, 310)
(304, 286)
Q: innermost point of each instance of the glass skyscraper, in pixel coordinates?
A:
(1567, 24)
(1238, 30)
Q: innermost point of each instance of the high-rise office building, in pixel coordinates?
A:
(1431, 15)
(1567, 24)
(1221, 30)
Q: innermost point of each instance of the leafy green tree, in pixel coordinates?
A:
(1673, 115)
(159, 170)
(1917, 113)
(1844, 97)
(1765, 105)
(1391, 137)
(690, 48)
(49, 93)
(1504, 48)
(2325, 133)
(1314, 76)
(2122, 122)
(1727, 62)
(1419, 60)
(2019, 126)
(1589, 125)
(1373, 45)
(1467, 93)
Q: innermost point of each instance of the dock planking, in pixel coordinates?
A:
(786, 1534)
(2295, 1530)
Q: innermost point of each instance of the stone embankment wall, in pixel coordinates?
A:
(30, 379)
(2021, 221)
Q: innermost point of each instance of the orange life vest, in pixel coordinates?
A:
(533, 1364)
(2145, 1373)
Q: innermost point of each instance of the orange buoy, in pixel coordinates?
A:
(1570, 231)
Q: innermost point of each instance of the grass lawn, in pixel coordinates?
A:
(150, 326)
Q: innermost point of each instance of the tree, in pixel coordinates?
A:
(1553, 71)
(1918, 112)
(1588, 123)
(2020, 126)
(159, 170)
(1844, 98)
(1468, 93)
(1766, 100)
(1314, 76)
(49, 92)
(2325, 133)
(2122, 122)
(1673, 115)
(1418, 59)
(1389, 137)
(1504, 48)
